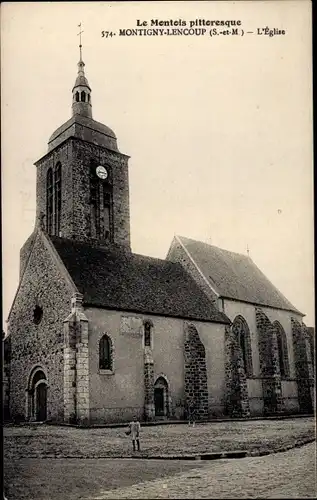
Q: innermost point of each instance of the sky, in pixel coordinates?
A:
(218, 128)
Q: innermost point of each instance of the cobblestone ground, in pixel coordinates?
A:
(283, 475)
(57, 441)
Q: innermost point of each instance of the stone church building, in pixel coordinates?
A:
(97, 333)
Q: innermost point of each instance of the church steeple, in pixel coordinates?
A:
(81, 90)
(82, 181)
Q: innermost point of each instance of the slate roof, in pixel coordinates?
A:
(235, 276)
(86, 129)
(131, 282)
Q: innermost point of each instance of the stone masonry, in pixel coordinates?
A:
(237, 400)
(149, 407)
(303, 366)
(25, 252)
(6, 353)
(76, 365)
(196, 386)
(42, 285)
(269, 365)
(76, 156)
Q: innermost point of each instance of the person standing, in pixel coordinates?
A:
(134, 431)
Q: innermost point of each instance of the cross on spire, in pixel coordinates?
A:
(80, 45)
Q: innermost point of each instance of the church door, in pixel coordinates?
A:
(159, 401)
(41, 402)
(161, 397)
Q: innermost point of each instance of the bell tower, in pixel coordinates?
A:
(82, 181)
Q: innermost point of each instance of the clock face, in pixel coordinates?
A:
(101, 172)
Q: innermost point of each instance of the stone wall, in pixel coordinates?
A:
(117, 394)
(269, 364)
(237, 401)
(248, 311)
(303, 366)
(44, 286)
(311, 337)
(195, 382)
(25, 252)
(127, 390)
(75, 157)
(6, 358)
(149, 408)
(76, 364)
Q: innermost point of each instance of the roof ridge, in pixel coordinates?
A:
(215, 246)
(236, 275)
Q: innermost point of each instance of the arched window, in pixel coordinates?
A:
(282, 349)
(49, 201)
(242, 333)
(105, 353)
(54, 199)
(77, 96)
(39, 375)
(58, 198)
(88, 97)
(147, 334)
(83, 96)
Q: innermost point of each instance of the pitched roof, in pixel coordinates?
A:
(126, 281)
(234, 275)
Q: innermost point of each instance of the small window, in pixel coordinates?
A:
(83, 96)
(105, 353)
(77, 96)
(37, 315)
(147, 334)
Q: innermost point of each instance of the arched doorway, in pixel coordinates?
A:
(41, 402)
(161, 397)
(37, 395)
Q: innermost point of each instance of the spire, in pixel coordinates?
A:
(80, 45)
(81, 90)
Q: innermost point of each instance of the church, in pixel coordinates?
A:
(98, 334)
